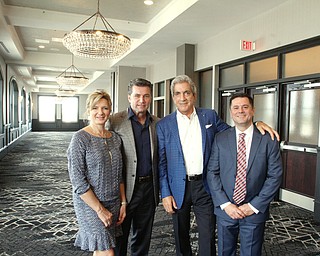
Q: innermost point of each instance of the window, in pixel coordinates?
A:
(232, 76)
(205, 89)
(302, 62)
(263, 70)
(159, 96)
(14, 96)
(70, 110)
(1, 103)
(47, 109)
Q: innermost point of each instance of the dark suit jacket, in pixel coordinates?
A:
(264, 172)
(172, 172)
(121, 124)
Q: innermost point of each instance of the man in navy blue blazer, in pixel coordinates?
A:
(184, 144)
(263, 174)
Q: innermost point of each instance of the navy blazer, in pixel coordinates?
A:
(264, 172)
(172, 169)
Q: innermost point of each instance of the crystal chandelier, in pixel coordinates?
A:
(72, 77)
(97, 44)
(65, 92)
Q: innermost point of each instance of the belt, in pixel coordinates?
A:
(143, 179)
(194, 177)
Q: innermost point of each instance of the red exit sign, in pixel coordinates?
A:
(247, 45)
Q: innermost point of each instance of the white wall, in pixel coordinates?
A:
(165, 69)
(291, 22)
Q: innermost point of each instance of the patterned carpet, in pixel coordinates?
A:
(37, 217)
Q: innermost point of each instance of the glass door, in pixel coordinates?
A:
(266, 104)
(225, 96)
(58, 113)
(301, 137)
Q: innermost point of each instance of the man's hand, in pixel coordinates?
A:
(246, 209)
(122, 214)
(234, 212)
(262, 127)
(169, 204)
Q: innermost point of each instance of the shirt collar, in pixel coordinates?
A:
(132, 115)
(248, 131)
(180, 115)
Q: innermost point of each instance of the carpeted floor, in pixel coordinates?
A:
(37, 217)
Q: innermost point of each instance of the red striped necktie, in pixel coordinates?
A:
(240, 186)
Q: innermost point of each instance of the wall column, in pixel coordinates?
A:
(123, 76)
(185, 60)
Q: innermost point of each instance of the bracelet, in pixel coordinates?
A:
(124, 203)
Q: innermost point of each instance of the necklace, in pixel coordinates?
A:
(105, 135)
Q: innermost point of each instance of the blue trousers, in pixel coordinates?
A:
(250, 234)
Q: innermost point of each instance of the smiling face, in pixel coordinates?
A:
(140, 99)
(242, 112)
(184, 98)
(100, 112)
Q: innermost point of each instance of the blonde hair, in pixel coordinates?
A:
(94, 97)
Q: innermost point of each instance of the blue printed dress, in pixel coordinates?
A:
(95, 163)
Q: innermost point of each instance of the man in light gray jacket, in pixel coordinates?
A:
(136, 127)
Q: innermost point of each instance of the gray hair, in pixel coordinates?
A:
(183, 79)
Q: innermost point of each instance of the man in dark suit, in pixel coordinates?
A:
(136, 127)
(184, 144)
(243, 178)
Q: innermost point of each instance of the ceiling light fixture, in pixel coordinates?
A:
(65, 92)
(148, 2)
(97, 44)
(72, 77)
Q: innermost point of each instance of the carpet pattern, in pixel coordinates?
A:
(37, 216)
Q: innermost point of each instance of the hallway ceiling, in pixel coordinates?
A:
(156, 31)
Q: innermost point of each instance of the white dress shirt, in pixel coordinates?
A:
(191, 142)
(248, 141)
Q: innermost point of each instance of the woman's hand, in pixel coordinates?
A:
(105, 216)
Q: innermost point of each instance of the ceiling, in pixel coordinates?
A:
(156, 31)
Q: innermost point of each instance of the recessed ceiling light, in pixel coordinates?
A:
(41, 41)
(56, 39)
(30, 48)
(148, 2)
(41, 46)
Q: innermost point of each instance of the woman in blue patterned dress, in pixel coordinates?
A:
(95, 170)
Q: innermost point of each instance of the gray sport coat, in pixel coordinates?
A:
(121, 124)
